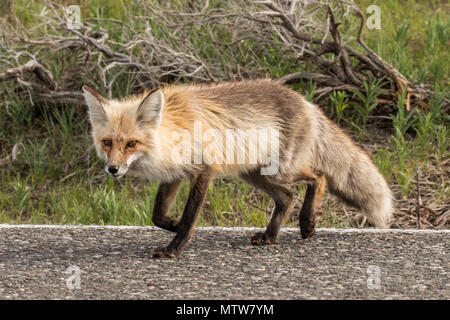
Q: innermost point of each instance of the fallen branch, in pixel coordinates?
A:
(307, 31)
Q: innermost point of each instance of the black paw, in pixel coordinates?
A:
(165, 252)
(261, 239)
(307, 232)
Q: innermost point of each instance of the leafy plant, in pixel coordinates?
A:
(312, 90)
(21, 195)
(368, 98)
(341, 102)
(402, 120)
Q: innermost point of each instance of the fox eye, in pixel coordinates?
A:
(131, 144)
(107, 143)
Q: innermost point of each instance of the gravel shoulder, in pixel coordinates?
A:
(44, 262)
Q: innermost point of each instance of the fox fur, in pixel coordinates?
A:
(311, 149)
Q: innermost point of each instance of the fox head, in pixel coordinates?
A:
(124, 130)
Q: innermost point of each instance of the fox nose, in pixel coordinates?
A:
(113, 169)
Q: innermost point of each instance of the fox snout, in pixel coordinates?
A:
(118, 168)
(116, 171)
(112, 169)
(116, 160)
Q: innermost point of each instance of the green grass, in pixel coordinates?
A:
(56, 178)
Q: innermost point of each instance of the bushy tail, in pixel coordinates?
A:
(351, 174)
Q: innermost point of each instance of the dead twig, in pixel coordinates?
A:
(307, 32)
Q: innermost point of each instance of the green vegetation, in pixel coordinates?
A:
(56, 176)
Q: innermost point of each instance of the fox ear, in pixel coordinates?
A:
(151, 108)
(95, 102)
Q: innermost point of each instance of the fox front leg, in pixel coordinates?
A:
(163, 201)
(197, 193)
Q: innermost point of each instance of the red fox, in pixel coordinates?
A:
(158, 135)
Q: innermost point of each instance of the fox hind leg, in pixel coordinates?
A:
(283, 200)
(313, 195)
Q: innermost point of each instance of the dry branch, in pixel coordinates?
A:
(307, 31)
(338, 73)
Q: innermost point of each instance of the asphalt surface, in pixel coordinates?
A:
(46, 262)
